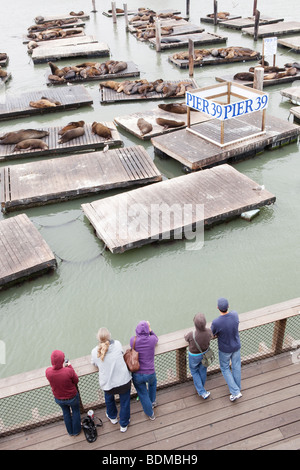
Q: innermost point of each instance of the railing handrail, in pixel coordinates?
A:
(35, 379)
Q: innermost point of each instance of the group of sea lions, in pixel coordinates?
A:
(222, 15)
(223, 52)
(52, 24)
(142, 87)
(41, 19)
(25, 139)
(270, 72)
(85, 70)
(54, 33)
(177, 108)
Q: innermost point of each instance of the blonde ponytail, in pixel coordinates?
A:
(103, 337)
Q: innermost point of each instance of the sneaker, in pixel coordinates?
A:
(154, 404)
(123, 429)
(205, 395)
(235, 397)
(112, 420)
(152, 417)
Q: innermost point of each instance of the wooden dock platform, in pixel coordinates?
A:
(292, 93)
(60, 179)
(107, 95)
(51, 52)
(45, 19)
(266, 83)
(210, 60)
(196, 153)
(278, 29)
(223, 191)
(23, 252)
(183, 40)
(131, 71)
(208, 19)
(292, 43)
(129, 122)
(239, 23)
(87, 142)
(72, 34)
(72, 97)
(295, 111)
(177, 30)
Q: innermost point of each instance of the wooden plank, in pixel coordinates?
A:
(290, 42)
(70, 98)
(92, 49)
(266, 83)
(22, 250)
(87, 142)
(173, 41)
(129, 122)
(220, 204)
(130, 71)
(184, 146)
(108, 95)
(278, 29)
(240, 23)
(60, 179)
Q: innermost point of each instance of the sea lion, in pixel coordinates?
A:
(117, 67)
(71, 125)
(110, 84)
(15, 137)
(247, 76)
(42, 103)
(268, 69)
(3, 73)
(177, 108)
(101, 130)
(71, 134)
(144, 126)
(55, 70)
(30, 144)
(167, 123)
(80, 13)
(294, 64)
(56, 79)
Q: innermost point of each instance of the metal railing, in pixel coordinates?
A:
(26, 400)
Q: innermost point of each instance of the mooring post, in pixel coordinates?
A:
(157, 35)
(188, 8)
(258, 78)
(191, 58)
(254, 6)
(126, 16)
(215, 12)
(94, 6)
(114, 13)
(256, 24)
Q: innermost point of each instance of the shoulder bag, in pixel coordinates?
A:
(208, 357)
(131, 358)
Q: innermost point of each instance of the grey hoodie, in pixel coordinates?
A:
(203, 335)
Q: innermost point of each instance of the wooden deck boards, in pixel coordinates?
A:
(51, 52)
(266, 83)
(266, 417)
(240, 23)
(292, 43)
(178, 30)
(278, 29)
(183, 40)
(70, 98)
(292, 93)
(23, 252)
(46, 19)
(129, 122)
(222, 201)
(59, 179)
(197, 153)
(207, 19)
(88, 142)
(107, 95)
(130, 71)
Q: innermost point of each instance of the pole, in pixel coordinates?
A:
(215, 12)
(256, 24)
(94, 6)
(157, 35)
(191, 58)
(126, 15)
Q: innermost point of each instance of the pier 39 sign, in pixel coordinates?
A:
(248, 101)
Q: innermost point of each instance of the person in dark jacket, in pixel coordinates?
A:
(202, 336)
(63, 380)
(145, 344)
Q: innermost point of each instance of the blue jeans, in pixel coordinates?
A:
(72, 419)
(198, 371)
(233, 376)
(146, 395)
(111, 407)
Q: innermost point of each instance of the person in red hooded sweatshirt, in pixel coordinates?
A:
(63, 380)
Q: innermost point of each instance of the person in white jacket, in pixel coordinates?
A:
(114, 377)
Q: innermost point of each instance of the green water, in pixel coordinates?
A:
(252, 264)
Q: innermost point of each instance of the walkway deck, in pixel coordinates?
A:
(266, 417)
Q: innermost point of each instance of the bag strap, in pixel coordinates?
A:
(134, 342)
(196, 342)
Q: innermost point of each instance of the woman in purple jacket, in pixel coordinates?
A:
(145, 344)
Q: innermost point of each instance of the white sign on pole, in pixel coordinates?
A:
(270, 46)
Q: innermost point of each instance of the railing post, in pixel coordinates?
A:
(278, 335)
(181, 369)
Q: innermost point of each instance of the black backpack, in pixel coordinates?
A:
(90, 428)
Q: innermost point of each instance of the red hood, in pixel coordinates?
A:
(57, 359)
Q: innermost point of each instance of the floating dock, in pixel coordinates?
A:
(292, 43)
(222, 192)
(130, 71)
(107, 95)
(266, 83)
(70, 98)
(177, 30)
(172, 42)
(249, 22)
(46, 19)
(50, 52)
(195, 153)
(87, 142)
(292, 93)
(23, 252)
(278, 29)
(60, 179)
(209, 60)
(208, 19)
